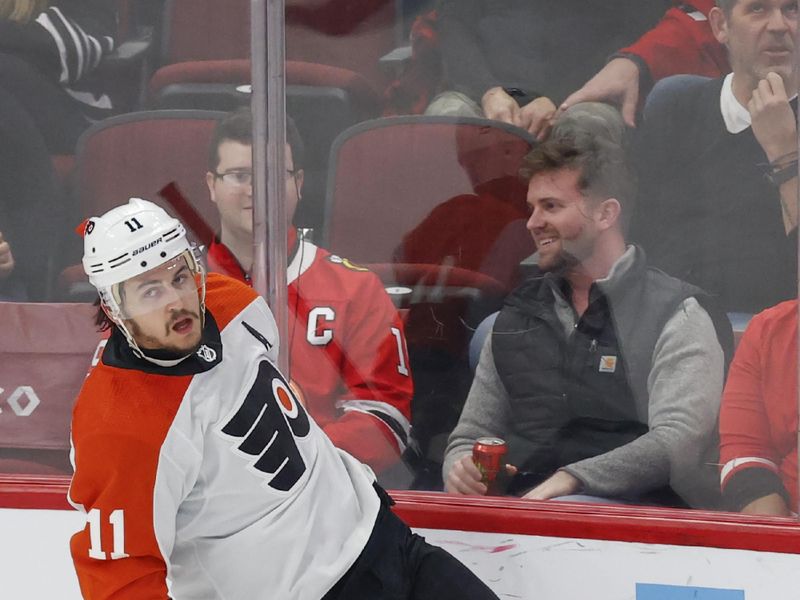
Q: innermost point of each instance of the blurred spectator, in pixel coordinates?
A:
(681, 43)
(32, 209)
(718, 169)
(6, 262)
(589, 371)
(494, 214)
(346, 343)
(513, 61)
(758, 418)
(47, 52)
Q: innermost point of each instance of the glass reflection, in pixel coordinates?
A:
(701, 95)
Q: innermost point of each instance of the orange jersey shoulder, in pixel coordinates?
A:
(226, 297)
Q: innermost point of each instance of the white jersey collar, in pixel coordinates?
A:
(301, 261)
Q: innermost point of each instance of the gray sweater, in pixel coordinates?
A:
(684, 386)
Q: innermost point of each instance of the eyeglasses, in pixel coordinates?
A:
(236, 178)
(245, 178)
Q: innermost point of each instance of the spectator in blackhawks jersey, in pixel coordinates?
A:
(346, 344)
(516, 60)
(682, 42)
(200, 472)
(48, 50)
(758, 419)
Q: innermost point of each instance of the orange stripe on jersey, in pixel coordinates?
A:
(227, 297)
(120, 421)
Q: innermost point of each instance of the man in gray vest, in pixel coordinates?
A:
(603, 375)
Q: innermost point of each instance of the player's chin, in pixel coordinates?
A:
(186, 344)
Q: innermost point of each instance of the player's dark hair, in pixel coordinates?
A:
(238, 127)
(602, 164)
(101, 320)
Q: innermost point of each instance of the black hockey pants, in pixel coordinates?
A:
(397, 564)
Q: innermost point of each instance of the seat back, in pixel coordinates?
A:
(137, 154)
(434, 190)
(205, 30)
(352, 35)
(45, 353)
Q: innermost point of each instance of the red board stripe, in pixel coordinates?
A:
(553, 519)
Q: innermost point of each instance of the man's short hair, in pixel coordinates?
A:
(726, 5)
(602, 164)
(238, 127)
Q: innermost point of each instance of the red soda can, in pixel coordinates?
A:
(488, 454)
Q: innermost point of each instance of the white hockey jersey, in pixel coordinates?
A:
(208, 479)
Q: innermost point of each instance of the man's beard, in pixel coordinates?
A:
(562, 262)
(158, 349)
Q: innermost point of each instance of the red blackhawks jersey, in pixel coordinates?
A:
(347, 351)
(208, 479)
(759, 417)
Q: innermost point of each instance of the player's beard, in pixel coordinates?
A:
(156, 348)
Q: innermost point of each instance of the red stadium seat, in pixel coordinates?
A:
(205, 30)
(434, 206)
(139, 153)
(341, 33)
(45, 353)
(222, 78)
(429, 190)
(136, 155)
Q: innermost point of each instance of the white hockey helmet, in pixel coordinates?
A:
(130, 240)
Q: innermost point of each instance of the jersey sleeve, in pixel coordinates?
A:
(375, 421)
(750, 462)
(116, 442)
(682, 42)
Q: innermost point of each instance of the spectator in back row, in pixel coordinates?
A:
(6, 263)
(48, 50)
(682, 42)
(514, 61)
(592, 372)
(346, 343)
(707, 213)
(758, 419)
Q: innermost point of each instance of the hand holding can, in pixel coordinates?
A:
(488, 454)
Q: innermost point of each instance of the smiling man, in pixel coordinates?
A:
(718, 201)
(603, 375)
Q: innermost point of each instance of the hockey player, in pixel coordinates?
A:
(346, 343)
(200, 473)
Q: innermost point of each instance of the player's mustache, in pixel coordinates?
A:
(177, 316)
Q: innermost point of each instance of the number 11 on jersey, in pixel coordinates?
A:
(117, 520)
